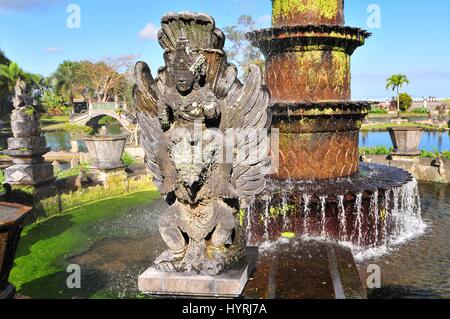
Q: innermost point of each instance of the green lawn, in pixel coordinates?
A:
(385, 126)
(54, 123)
(45, 247)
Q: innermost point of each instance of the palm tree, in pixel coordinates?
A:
(396, 82)
(65, 79)
(9, 76)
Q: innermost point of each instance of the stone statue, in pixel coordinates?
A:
(22, 95)
(28, 145)
(195, 99)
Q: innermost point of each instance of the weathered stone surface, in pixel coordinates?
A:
(11, 223)
(306, 270)
(106, 151)
(27, 146)
(196, 92)
(30, 175)
(25, 122)
(406, 141)
(307, 12)
(31, 143)
(229, 284)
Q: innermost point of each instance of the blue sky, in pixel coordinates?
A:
(413, 38)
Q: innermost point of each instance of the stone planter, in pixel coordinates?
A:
(12, 218)
(406, 141)
(106, 151)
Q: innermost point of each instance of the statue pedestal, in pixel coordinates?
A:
(229, 284)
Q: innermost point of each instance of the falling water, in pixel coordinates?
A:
(374, 208)
(284, 204)
(358, 221)
(406, 213)
(323, 202)
(307, 211)
(387, 198)
(342, 219)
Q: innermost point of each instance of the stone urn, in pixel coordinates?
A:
(406, 141)
(106, 151)
(12, 218)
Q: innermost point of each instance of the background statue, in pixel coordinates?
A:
(185, 114)
(22, 95)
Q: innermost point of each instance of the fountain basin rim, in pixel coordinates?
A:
(17, 216)
(314, 108)
(289, 31)
(106, 138)
(370, 178)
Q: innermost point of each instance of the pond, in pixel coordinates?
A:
(60, 140)
(115, 240)
(430, 140)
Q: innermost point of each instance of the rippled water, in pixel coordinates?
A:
(60, 140)
(420, 268)
(416, 268)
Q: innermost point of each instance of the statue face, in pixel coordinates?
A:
(184, 80)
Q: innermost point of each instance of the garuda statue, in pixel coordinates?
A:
(205, 139)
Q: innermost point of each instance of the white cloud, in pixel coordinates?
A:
(22, 5)
(53, 50)
(150, 32)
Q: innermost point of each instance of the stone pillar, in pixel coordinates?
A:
(26, 148)
(307, 12)
(308, 74)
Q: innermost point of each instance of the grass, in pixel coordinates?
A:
(385, 126)
(383, 150)
(54, 123)
(45, 247)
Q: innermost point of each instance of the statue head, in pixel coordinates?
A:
(187, 67)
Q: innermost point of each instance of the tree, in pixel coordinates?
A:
(241, 51)
(67, 81)
(3, 59)
(107, 78)
(396, 82)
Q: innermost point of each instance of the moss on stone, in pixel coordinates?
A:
(322, 8)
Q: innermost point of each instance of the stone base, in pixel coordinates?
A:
(405, 158)
(229, 284)
(29, 175)
(8, 293)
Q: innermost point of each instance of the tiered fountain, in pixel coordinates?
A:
(321, 189)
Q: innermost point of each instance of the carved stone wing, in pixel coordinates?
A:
(246, 112)
(152, 135)
(144, 92)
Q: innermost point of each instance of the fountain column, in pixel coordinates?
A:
(320, 188)
(308, 73)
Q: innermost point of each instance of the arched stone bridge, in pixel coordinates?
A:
(97, 111)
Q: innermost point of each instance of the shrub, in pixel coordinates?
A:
(128, 159)
(78, 132)
(420, 110)
(53, 104)
(378, 150)
(378, 110)
(405, 102)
